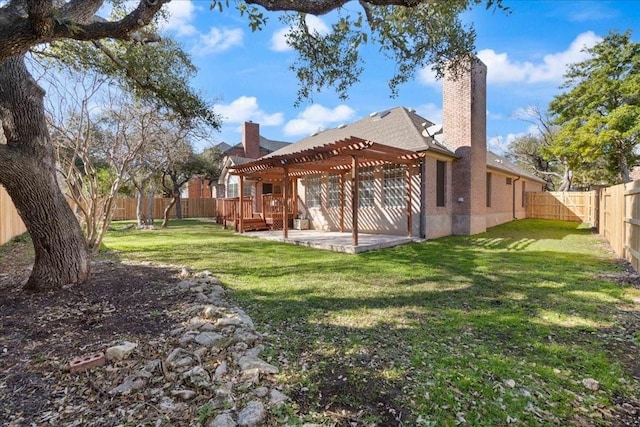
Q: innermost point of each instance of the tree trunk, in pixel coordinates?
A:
(176, 196)
(28, 172)
(567, 178)
(165, 216)
(139, 211)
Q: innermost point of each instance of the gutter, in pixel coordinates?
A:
(513, 196)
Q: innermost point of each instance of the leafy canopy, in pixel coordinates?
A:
(411, 34)
(599, 114)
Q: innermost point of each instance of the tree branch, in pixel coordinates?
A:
(321, 7)
(41, 23)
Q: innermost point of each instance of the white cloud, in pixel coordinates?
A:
(501, 69)
(430, 112)
(246, 108)
(555, 65)
(279, 38)
(181, 14)
(316, 117)
(218, 40)
(427, 77)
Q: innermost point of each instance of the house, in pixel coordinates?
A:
(199, 187)
(392, 172)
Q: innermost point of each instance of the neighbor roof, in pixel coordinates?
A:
(266, 144)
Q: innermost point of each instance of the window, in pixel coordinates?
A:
(246, 190)
(312, 191)
(366, 177)
(488, 190)
(233, 187)
(509, 181)
(441, 182)
(394, 189)
(267, 188)
(524, 194)
(232, 190)
(333, 191)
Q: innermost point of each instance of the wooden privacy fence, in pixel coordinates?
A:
(10, 223)
(125, 208)
(564, 206)
(615, 211)
(620, 220)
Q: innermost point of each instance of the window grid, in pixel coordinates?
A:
(366, 177)
(333, 191)
(312, 191)
(232, 190)
(393, 186)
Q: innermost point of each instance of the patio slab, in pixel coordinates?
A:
(334, 240)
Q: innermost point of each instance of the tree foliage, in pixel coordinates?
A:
(411, 34)
(599, 114)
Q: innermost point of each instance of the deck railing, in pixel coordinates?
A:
(273, 206)
(229, 209)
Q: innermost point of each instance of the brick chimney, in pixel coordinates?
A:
(464, 103)
(251, 140)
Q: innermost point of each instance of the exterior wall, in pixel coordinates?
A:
(502, 198)
(377, 219)
(198, 188)
(437, 218)
(464, 102)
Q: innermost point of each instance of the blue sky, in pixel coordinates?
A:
(246, 74)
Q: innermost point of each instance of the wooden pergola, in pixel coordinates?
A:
(340, 157)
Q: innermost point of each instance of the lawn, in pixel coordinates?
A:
(507, 327)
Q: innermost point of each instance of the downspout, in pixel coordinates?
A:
(423, 219)
(513, 196)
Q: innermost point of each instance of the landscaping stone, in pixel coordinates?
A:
(208, 338)
(121, 351)
(276, 397)
(183, 394)
(253, 414)
(222, 420)
(197, 377)
(251, 363)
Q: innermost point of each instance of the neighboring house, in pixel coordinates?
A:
(252, 147)
(400, 173)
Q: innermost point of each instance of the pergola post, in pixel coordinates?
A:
(285, 194)
(241, 208)
(409, 209)
(342, 202)
(354, 199)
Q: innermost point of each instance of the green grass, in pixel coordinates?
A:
(491, 329)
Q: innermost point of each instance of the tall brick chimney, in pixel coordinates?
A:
(251, 140)
(464, 126)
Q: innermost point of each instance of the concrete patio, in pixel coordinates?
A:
(334, 240)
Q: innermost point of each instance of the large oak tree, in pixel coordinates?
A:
(599, 114)
(412, 33)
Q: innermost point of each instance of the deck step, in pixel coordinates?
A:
(254, 224)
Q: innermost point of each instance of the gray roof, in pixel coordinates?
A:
(398, 127)
(266, 144)
(223, 146)
(500, 163)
